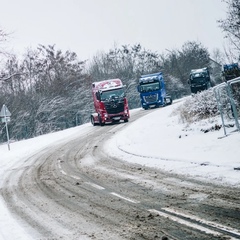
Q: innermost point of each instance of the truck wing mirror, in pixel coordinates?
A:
(98, 96)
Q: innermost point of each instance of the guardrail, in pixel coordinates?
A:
(228, 100)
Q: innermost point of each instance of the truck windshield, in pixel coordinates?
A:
(149, 87)
(112, 94)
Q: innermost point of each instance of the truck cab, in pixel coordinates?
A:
(110, 102)
(230, 71)
(199, 80)
(152, 91)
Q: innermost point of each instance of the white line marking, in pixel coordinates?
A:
(59, 165)
(213, 224)
(64, 173)
(61, 171)
(184, 222)
(95, 185)
(125, 198)
(75, 177)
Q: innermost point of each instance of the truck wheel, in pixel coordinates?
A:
(92, 121)
(126, 120)
(167, 101)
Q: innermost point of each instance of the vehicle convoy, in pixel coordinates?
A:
(230, 71)
(199, 80)
(110, 102)
(152, 91)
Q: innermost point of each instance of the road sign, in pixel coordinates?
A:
(5, 112)
(5, 119)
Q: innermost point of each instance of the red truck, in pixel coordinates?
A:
(110, 102)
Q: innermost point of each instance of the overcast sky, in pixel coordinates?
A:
(89, 26)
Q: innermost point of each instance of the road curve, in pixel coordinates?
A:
(74, 190)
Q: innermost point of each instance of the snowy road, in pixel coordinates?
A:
(74, 190)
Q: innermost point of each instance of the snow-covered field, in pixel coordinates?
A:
(157, 140)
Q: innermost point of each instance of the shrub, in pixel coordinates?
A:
(199, 106)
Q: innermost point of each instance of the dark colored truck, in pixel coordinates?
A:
(152, 91)
(110, 102)
(230, 71)
(199, 80)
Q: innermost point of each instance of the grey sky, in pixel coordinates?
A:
(89, 26)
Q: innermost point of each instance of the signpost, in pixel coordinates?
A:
(5, 117)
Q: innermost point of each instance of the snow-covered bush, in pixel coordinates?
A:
(199, 106)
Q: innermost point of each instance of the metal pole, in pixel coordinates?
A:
(233, 104)
(219, 104)
(5, 117)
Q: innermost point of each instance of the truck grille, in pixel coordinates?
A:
(114, 107)
(150, 98)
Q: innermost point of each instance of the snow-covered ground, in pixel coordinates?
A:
(160, 140)
(157, 140)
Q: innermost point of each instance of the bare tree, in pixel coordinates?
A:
(179, 62)
(46, 91)
(3, 38)
(218, 56)
(231, 25)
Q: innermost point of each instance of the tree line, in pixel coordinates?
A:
(50, 90)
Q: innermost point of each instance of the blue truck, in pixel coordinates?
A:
(152, 91)
(230, 71)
